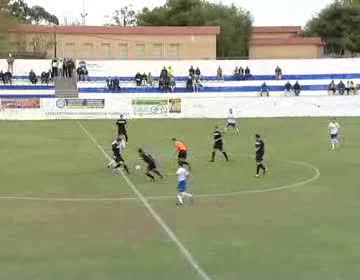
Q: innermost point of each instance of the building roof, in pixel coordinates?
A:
(287, 41)
(115, 30)
(276, 29)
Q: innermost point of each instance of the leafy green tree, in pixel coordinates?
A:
(125, 16)
(338, 24)
(235, 23)
(30, 15)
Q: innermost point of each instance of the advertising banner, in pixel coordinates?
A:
(20, 103)
(156, 107)
(75, 103)
(153, 107)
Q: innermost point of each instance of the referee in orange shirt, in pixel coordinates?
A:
(182, 152)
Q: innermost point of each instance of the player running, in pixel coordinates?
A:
(334, 129)
(181, 148)
(218, 145)
(259, 151)
(151, 165)
(118, 147)
(231, 122)
(121, 126)
(182, 176)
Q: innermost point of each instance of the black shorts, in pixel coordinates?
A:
(118, 158)
(182, 155)
(233, 125)
(218, 145)
(151, 166)
(259, 158)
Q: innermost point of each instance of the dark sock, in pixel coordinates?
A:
(226, 156)
(258, 169)
(158, 173)
(117, 166)
(150, 176)
(262, 167)
(213, 156)
(126, 169)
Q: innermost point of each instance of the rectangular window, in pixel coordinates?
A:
(70, 50)
(174, 51)
(124, 51)
(157, 50)
(140, 51)
(106, 50)
(88, 50)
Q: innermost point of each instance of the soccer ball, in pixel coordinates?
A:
(137, 167)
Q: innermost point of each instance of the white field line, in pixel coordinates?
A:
(183, 250)
(205, 196)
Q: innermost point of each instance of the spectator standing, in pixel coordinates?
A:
(70, 67)
(65, 67)
(297, 88)
(164, 73)
(32, 77)
(54, 67)
(288, 89)
(10, 62)
(150, 79)
(60, 67)
(341, 88)
(278, 73)
(192, 71)
(332, 88)
(264, 90)
(219, 74)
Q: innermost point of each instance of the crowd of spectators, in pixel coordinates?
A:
(241, 73)
(350, 88)
(167, 81)
(6, 77)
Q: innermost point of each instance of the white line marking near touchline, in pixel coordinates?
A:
(184, 251)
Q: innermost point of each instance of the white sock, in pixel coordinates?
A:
(185, 194)
(180, 199)
(333, 146)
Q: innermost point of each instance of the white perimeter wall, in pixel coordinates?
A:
(207, 67)
(192, 106)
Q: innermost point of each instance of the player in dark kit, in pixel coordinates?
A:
(259, 151)
(121, 125)
(151, 165)
(218, 144)
(117, 147)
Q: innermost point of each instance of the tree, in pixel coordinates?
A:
(338, 24)
(235, 23)
(30, 15)
(126, 16)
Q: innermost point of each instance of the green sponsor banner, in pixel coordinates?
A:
(150, 102)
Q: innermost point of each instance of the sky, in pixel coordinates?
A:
(265, 12)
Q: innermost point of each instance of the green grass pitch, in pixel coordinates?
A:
(290, 224)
